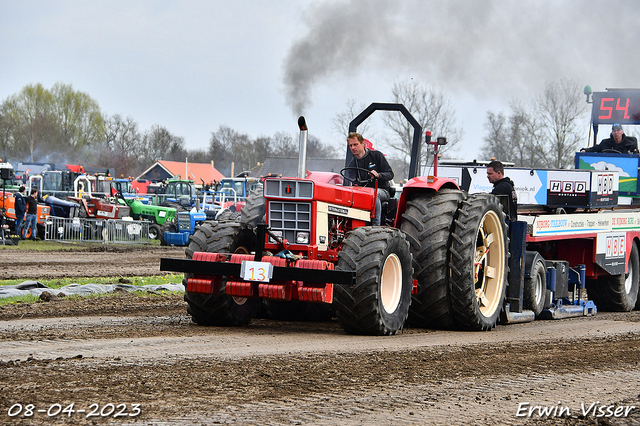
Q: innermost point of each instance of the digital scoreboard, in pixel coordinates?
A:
(616, 106)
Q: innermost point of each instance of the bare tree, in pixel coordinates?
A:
(224, 146)
(341, 122)
(121, 134)
(496, 144)
(282, 145)
(198, 156)
(260, 151)
(544, 135)
(124, 162)
(119, 146)
(526, 135)
(431, 108)
(316, 149)
(560, 110)
(515, 138)
(160, 144)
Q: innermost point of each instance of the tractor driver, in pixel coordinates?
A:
(376, 163)
(617, 141)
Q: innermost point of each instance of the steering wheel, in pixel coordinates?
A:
(357, 180)
(611, 151)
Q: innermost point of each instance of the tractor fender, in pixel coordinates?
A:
(530, 259)
(421, 184)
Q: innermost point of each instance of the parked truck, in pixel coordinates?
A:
(450, 259)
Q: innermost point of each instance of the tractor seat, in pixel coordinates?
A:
(392, 192)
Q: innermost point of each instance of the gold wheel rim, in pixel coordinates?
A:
(391, 283)
(489, 266)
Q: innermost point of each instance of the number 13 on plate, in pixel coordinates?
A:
(256, 271)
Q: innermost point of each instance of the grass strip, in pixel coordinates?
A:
(57, 283)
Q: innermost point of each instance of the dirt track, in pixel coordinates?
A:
(100, 261)
(128, 350)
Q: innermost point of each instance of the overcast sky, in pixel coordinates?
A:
(255, 66)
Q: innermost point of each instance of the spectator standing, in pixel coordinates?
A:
(32, 215)
(20, 207)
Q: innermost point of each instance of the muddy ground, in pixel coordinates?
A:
(106, 355)
(97, 261)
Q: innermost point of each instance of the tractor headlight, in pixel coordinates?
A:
(302, 238)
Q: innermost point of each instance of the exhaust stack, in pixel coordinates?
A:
(302, 159)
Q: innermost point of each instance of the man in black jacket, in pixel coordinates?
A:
(617, 141)
(32, 215)
(20, 207)
(503, 186)
(376, 164)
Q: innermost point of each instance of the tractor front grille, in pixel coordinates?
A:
(184, 221)
(283, 188)
(289, 219)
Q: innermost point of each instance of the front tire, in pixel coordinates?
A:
(168, 226)
(617, 293)
(378, 303)
(478, 263)
(154, 232)
(220, 309)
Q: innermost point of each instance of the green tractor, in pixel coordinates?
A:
(178, 193)
(157, 215)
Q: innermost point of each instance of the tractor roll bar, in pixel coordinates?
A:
(417, 131)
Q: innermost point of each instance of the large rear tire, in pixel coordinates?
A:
(254, 210)
(378, 303)
(223, 215)
(617, 293)
(535, 288)
(479, 253)
(174, 205)
(428, 223)
(220, 309)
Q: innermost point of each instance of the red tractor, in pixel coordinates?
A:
(305, 243)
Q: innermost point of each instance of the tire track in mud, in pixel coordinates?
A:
(230, 343)
(313, 373)
(463, 382)
(104, 261)
(486, 400)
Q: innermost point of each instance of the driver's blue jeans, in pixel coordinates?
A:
(383, 195)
